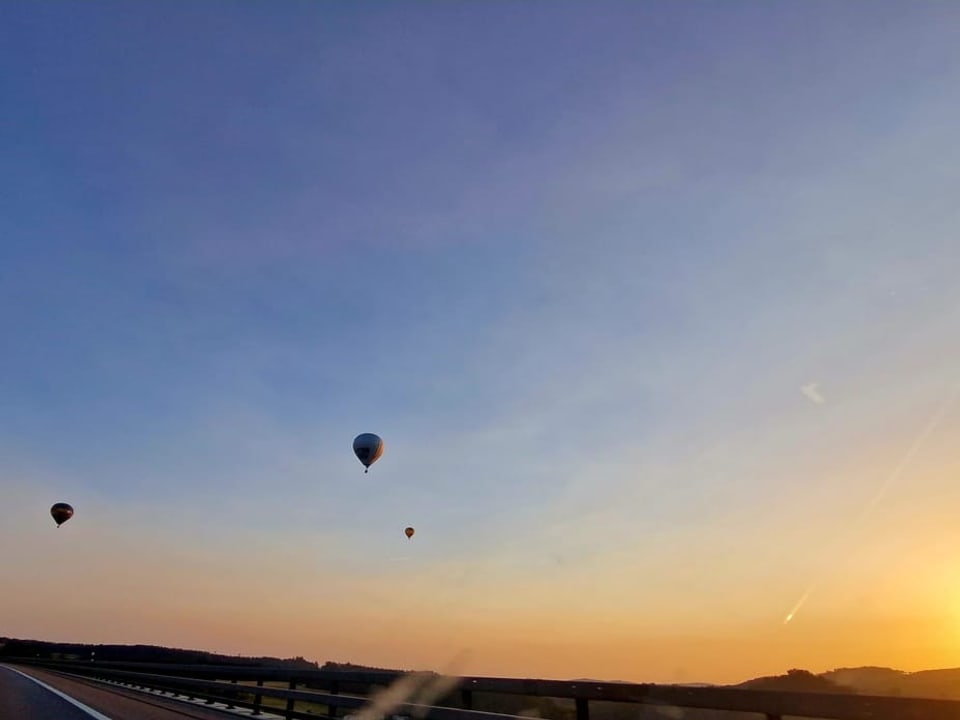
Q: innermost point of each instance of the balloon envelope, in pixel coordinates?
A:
(61, 512)
(368, 448)
(409, 532)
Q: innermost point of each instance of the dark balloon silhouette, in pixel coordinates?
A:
(409, 532)
(368, 448)
(61, 512)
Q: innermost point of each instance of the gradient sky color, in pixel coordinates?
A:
(576, 262)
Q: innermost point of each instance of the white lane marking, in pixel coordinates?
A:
(76, 703)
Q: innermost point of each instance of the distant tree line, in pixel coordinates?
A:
(13, 647)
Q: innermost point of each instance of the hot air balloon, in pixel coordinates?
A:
(61, 512)
(409, 532)
(368, 448)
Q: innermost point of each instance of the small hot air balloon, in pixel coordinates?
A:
(368, 448)
(61, 512)
(409, 532)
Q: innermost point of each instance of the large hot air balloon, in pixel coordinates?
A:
(368, 448)
(61, 512)
(409, 532)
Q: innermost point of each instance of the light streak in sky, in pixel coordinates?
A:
(912, 451)
(799, 604)
(891, 478)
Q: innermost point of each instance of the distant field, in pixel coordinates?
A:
(300, 706)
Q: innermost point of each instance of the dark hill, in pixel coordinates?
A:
(868, 680)
(795, 681)
(942, 684)
(939, 684)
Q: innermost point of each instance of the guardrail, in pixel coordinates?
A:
(338, 691)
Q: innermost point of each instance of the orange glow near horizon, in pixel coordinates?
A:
(637, 611)
(536, 630)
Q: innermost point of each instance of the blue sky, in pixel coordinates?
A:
(574, 262)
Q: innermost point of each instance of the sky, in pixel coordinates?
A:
(654, 305)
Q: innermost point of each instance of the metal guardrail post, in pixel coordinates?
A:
(334, 690)
(290, 701)
(583, 709)
(257, 699)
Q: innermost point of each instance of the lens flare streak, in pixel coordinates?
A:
(885, 486)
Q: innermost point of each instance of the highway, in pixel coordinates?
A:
(21, 698)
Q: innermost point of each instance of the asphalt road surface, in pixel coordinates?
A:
(21, 698)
